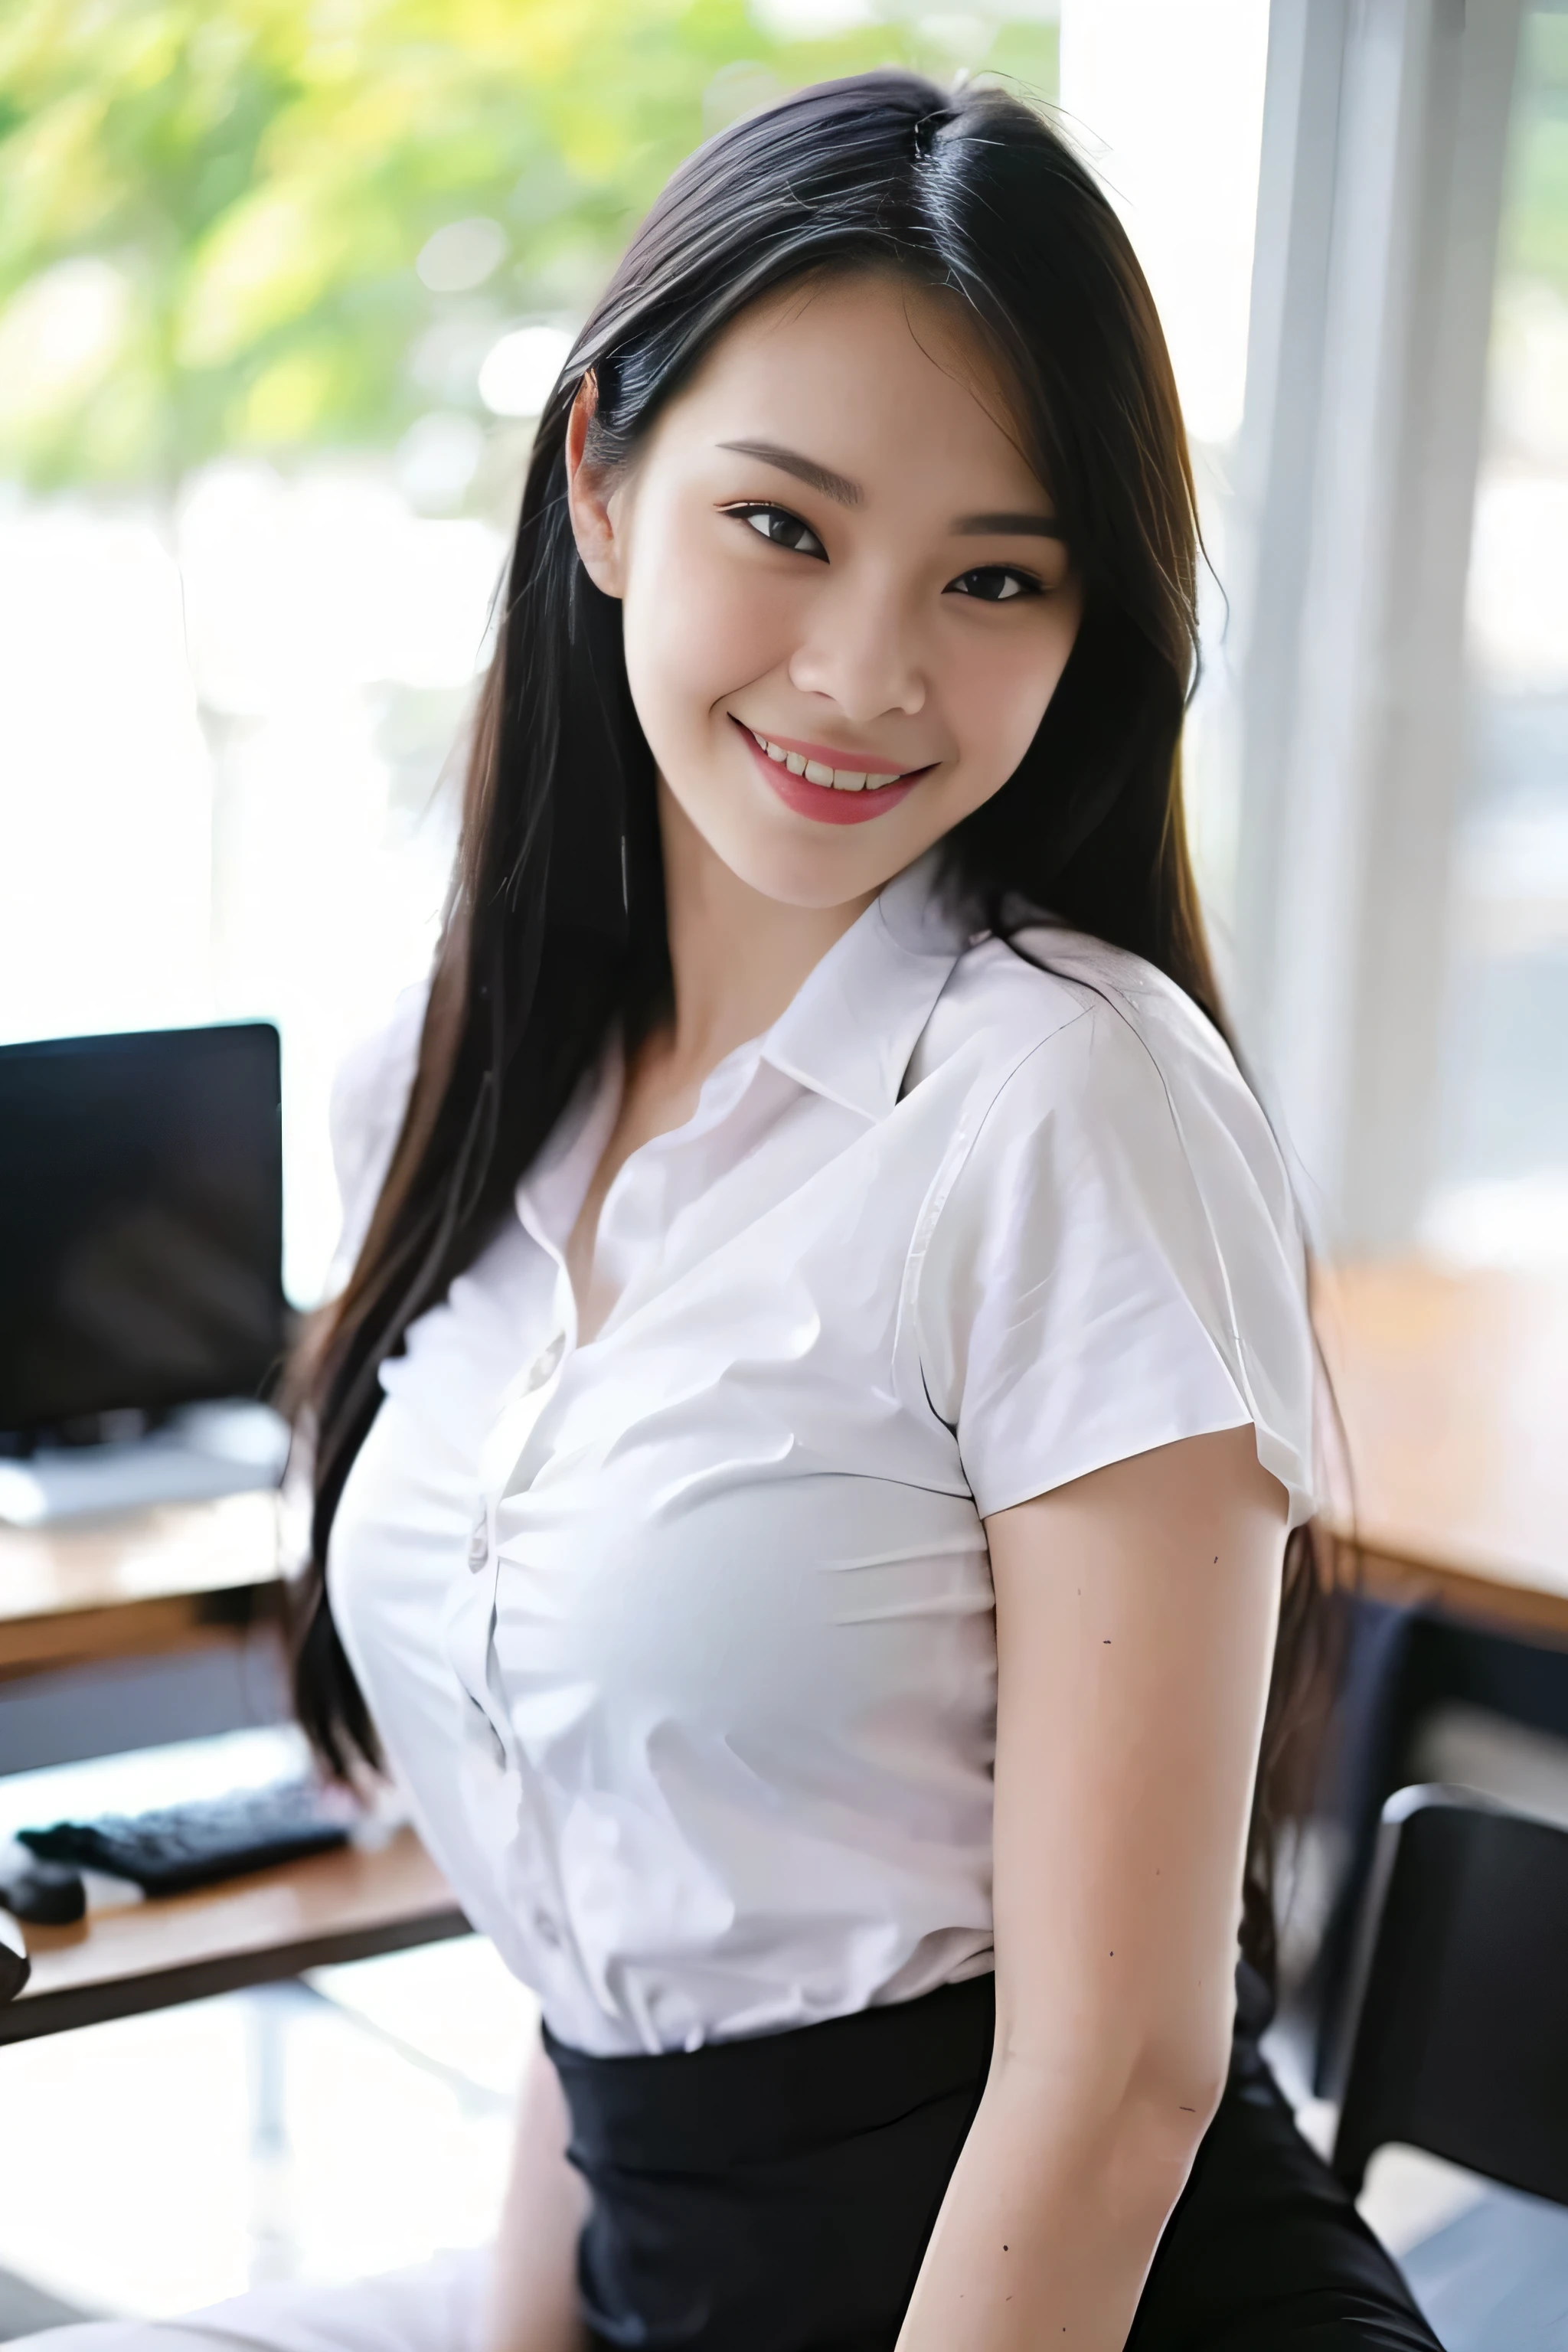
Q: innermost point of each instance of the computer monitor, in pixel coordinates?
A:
(141, 1223)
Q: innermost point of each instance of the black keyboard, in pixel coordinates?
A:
(181, 1846)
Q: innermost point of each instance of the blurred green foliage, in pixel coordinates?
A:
(211, 210)
(1535, 214)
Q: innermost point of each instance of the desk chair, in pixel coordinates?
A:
(1460, 2045)
(14, 1961)
(1404, 1666)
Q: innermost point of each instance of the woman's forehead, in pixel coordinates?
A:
(885, 383)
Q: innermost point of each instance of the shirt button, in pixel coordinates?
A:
(544, 1363)
(479, 1547)
(545, 1928)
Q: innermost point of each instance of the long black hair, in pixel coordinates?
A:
(556, 924)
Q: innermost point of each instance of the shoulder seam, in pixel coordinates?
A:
(954, 1161)
(1109, 998)
(964, 1144)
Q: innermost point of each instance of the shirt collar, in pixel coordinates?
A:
(853, 1024)
(848, 1035)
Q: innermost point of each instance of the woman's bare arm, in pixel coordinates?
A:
(1135, 1620)
(532, 2302)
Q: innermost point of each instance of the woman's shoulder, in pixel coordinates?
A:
(1054, 1015)
(1101, 1044)
(370, 1094)
(1116, 1260)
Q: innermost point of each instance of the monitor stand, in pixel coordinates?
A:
(199, 1452)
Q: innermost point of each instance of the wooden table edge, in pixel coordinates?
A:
(30, 2016)
(1505, 1600)
(59, 1641)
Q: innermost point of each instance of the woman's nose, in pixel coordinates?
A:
(859, 649)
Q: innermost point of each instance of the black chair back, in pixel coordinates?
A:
(1460, 2044)
(14, 1965)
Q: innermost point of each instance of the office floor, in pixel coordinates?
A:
(363, 2122)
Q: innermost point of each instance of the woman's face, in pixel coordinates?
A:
(847, 602)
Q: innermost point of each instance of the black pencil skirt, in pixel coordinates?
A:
(776, 2195)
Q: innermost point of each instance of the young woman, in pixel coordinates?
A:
(807, 1448)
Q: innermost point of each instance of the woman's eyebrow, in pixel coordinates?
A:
(846, 493)
(1035, 525)
(837, 487)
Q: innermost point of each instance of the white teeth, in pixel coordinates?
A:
(816, 772)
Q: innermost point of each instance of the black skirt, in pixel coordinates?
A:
(776, 2195)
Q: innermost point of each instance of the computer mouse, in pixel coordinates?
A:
(14, 1964)
(46, 1894)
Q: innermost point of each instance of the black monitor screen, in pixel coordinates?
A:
(140, 1221)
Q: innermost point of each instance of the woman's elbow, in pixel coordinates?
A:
(1132, 2106)
(1173, 2095)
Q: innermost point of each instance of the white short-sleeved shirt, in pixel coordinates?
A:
(682, 1640)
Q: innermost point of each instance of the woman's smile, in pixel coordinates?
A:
(819, 781)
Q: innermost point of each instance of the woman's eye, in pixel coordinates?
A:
(994, 584)
(781, 529)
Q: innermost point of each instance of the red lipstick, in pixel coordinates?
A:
(828, 805)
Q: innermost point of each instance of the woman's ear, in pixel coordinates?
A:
(589, 492)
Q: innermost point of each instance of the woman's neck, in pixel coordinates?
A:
(737, 958)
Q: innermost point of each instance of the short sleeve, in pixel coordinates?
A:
(1118, 1263)
(365, 1118)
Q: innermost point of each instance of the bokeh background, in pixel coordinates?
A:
(1500, 1187)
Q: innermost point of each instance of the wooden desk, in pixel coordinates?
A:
(151, 1582)
(142, 1584)
(1453, 1392)
(336, 1906)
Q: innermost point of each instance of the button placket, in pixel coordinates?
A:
(471, 1634)
(480, 1542)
